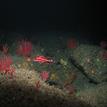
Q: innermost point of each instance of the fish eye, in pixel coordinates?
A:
(51, 60)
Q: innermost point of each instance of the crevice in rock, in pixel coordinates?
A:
(81, 69)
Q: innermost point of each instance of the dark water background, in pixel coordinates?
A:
(85, 19)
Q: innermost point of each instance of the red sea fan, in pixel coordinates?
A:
(5, 62)
(4, 48)
(72, 43)
(44, 75)
(5, 65)
(24, 48)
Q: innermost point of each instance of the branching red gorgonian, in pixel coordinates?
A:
(72, 43)
(5, 65)
(24, 48)
(44, 75)
(4, 48)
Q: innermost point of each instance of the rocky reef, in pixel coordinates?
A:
(69, 74)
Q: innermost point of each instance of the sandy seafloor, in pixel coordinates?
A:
(20, 90)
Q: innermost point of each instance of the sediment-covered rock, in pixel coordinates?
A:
(90, 59)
